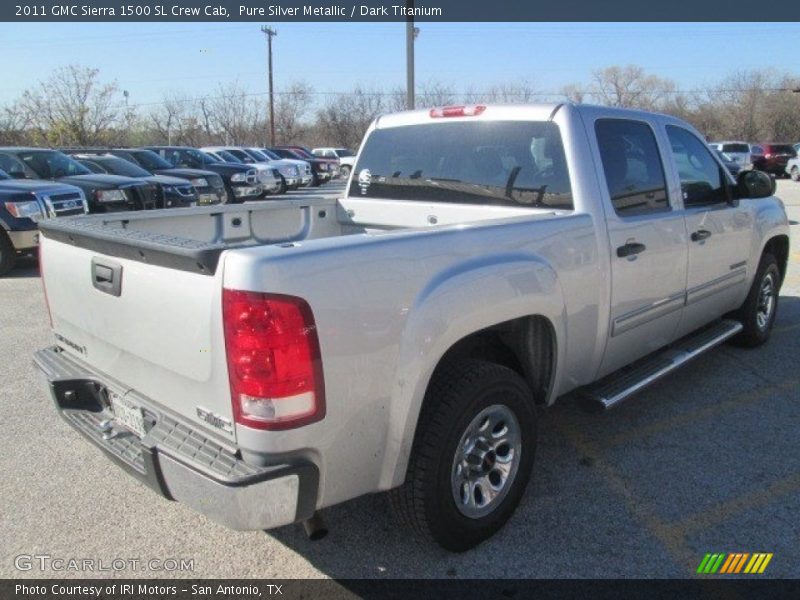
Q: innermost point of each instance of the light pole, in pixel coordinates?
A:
(411, 32)
(270, 33)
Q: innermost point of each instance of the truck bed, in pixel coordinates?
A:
(193, 239)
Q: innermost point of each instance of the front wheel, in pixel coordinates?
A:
(472, 455)
(795, 174)
(757, 314)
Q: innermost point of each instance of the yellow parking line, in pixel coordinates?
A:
(698, 415)
(765, 563)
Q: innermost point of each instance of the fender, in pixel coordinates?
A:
(462, 300)
(770, 221)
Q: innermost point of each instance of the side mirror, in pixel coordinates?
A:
(755, 184)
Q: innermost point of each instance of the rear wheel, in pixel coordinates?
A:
(757, 314)
(8, 256)
(795, 174)
(472, 455)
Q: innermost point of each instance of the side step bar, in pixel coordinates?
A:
(616, 387)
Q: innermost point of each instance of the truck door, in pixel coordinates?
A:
(647, 239)
(719, 233)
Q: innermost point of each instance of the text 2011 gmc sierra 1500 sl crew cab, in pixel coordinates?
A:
(484, 260)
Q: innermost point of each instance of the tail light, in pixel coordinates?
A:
(274, 362)
(457, 111)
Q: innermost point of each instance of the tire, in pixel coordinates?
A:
(757, 314)
(8, 256)
(344, 171)
(283, 188)
(315, 182)
(448, 460)
(795, 174)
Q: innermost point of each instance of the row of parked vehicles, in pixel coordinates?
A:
(40, 183)
(780, 160)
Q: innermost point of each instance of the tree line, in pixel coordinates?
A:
(74, 106)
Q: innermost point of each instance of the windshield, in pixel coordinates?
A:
(119, 166)
(724, 157)
(256, 155)
(228, 157)
(150, 160)
(342, 152)
(301, 153)
(269, 154)
(49, 164)
(736, 148)
(4, 175)
(510, 163)
(782, 149)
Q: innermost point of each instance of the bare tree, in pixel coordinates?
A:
(72, 107)
(345, 118)
(14, 124)
(291, 107)
(629, 87)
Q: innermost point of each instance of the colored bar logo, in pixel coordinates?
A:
(734, 562)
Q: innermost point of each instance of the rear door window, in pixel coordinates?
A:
(510, 163)
(632, 166)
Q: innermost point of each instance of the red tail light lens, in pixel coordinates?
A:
(457, 111)
(274, 362)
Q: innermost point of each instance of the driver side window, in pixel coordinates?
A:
(702, 180)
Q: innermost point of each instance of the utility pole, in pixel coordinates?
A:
(270, 33)
(410, 55)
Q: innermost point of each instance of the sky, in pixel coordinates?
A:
(149, 59)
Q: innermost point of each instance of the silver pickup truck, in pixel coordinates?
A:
(262, 362)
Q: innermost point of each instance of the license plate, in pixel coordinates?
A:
(127, 414)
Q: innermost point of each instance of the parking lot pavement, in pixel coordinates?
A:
(705, 461)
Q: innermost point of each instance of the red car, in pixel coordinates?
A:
(772, 158)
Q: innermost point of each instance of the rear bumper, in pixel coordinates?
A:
(24, 240)
(177, 461)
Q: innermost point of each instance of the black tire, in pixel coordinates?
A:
(457, 395)
(315, 182)
(284, 188)
(757, 324)
(795, 174)
(8, 256)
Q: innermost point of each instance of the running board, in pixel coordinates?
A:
(616, 387)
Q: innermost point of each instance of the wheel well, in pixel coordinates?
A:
(779, 248)
(525, 345)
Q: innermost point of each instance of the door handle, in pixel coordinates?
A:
(630, 249)
(700, 235)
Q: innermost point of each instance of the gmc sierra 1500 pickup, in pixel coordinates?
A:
(485, 260)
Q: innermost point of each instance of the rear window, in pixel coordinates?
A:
(736, 148)
(510, 163)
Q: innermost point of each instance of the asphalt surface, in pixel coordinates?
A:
(705, 461)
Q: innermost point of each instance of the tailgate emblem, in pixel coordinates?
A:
(214, 420)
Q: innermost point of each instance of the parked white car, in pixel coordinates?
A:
(793, 167)
(347, 158)
(738, 152)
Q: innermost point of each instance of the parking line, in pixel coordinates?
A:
(698, 415)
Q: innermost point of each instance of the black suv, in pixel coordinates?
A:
(210, 187)
(104, 193)
(173, 192)
(240, 180)
(21, 204)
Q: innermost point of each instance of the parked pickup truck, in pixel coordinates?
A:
(22, 204)
(485, 260)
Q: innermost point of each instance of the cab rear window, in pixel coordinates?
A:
(736, 148)
(511, 163)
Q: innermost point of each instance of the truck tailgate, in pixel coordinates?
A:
(160, 333)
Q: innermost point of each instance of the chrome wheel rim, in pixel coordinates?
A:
(766, 301)
(486, 461)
